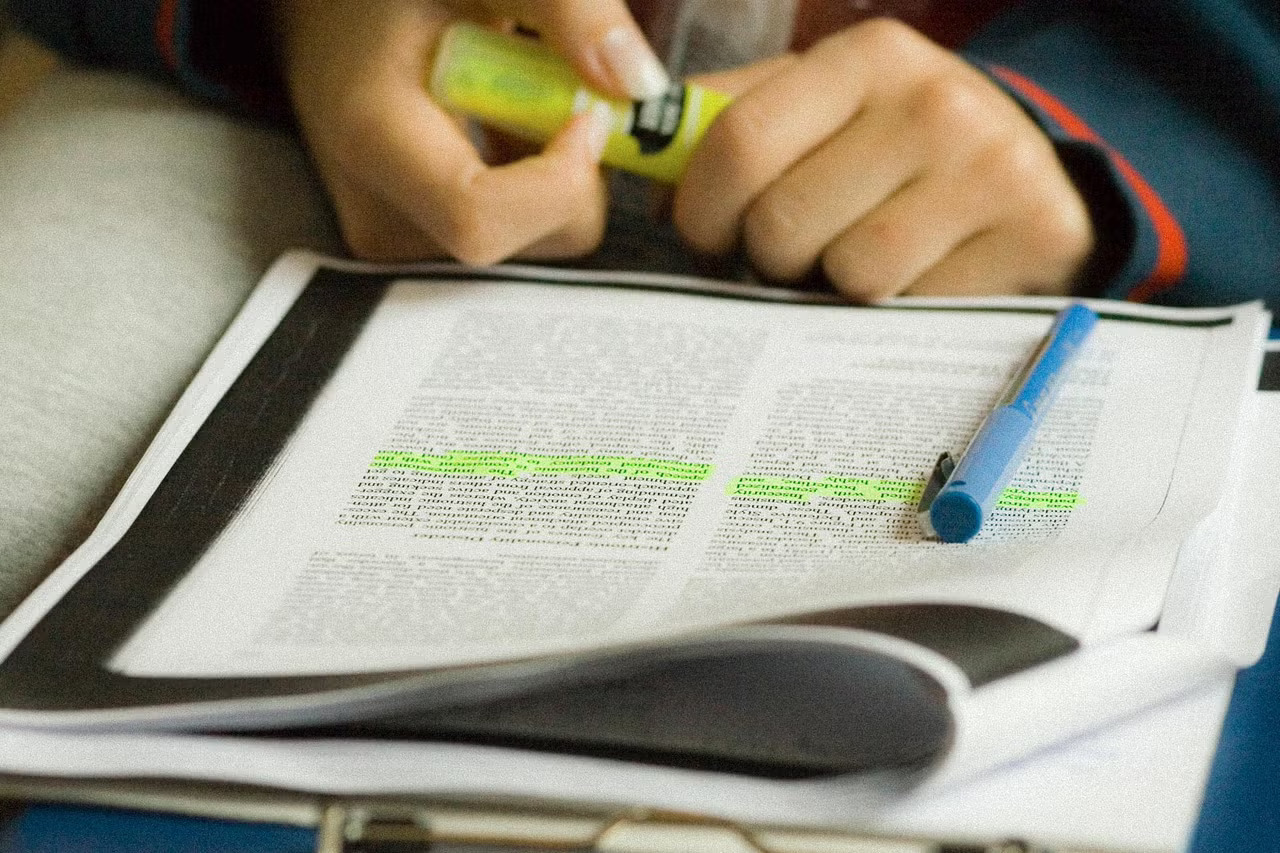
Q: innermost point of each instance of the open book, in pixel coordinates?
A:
(651, 522)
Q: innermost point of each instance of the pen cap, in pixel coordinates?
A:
(520, 86)
(990, 462)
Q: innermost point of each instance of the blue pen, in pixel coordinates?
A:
(959, 497)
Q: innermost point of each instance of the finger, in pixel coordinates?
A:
(739, 81)
(373, 229)
(788, 225)
(600, 38)
(1039, 234)
(1038, 250)
(989, 264)
(886, 251)
(424, 165)
(759, 136)
(577, 238)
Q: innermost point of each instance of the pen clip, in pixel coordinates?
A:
(942, 471)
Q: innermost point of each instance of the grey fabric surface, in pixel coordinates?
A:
(132, 226)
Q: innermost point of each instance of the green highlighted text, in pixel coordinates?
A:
(797, 490)
(801, 490)
(496, 464)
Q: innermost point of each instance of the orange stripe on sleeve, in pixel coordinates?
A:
(166, 18)
(1171, 254)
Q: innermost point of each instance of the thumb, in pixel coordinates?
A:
(600, 38)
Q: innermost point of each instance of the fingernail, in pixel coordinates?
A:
(599, 126)
(631, 60)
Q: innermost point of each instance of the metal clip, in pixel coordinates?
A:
(408, 828)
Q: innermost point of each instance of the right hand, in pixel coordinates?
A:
(890, 164)
(405, 179)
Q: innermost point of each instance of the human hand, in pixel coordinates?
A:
(893, 165)
(406, 180)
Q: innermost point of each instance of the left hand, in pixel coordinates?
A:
(890, 162)
(404, 176)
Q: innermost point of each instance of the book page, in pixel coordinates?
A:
(504, 470)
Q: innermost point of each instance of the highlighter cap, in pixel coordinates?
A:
(507, 82)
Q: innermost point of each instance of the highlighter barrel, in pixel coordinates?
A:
(520, 86)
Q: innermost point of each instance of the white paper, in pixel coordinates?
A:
(1096, 790)
(1134, 786)
(340, 566)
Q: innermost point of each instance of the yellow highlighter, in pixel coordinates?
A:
(520, 86)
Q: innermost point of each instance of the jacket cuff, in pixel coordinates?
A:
(223, 50)
(105, 32)
(1141, 248)
(220, 50)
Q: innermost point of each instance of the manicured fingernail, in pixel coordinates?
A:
(631, 60)
(599, 125)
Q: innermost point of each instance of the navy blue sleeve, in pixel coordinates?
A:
(100, 31)
(216, 49)
(1167, 115)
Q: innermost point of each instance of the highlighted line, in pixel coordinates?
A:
(1021, 499)
(494, 464)
(800, 490)
(471, 463)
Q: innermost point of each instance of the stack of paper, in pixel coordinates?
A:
(628, 540)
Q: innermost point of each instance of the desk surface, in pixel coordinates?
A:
(1242, 801)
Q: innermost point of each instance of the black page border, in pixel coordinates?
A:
(61, 664)
(1269, 379)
